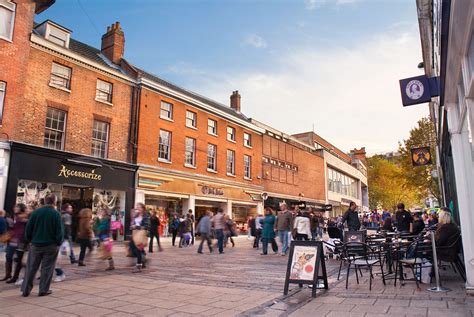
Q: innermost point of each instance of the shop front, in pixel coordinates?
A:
(82, 181)
(275, 201)
(169, 193)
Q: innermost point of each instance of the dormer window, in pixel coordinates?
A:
(54, 33)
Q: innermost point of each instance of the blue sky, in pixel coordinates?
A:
(331, 63)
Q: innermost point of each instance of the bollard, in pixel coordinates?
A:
(438, 288)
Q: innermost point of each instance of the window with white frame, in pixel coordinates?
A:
(190, 152)
(3, 92)
(100, 139)
(166, 110)
(248, 139)
(104, 91)
(247, 166)
(230, 162)
(55, 128)
(212, 126)
(231, 134)
(191, 119)
(60, 76)
(58, 36)
(212, 157)
(7, 19)
(164, 149)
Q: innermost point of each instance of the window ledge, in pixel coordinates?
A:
(60, 88)
(248, 146)
(104, 102)
(212, 171)
(230, 140)
(167, 119)
(6, 39)
(164, 161)
(231, 175)
(191, 127)
(247, 178)
(213, 134)
(189, 166)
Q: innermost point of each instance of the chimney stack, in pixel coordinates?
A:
(113, 43)
(359, 154)
(235, 101)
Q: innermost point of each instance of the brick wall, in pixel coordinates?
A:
(13, 64)
(150, 124)
(280, 176)
(80, 105)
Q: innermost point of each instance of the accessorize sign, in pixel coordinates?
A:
(420, 89)
(208, 190)
(66, 173)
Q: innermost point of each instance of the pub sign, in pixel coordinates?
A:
(421, 156)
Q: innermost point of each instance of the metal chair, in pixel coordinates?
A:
(414, 259)
(450, 254)
(361, 255)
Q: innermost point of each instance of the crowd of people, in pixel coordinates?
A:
(46, 233)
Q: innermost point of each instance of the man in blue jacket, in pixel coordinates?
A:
(45, 232)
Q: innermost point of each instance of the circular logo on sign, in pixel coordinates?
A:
(415, 89)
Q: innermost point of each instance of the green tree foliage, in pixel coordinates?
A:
(388, 184)
(420, 176)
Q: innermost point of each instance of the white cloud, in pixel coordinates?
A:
(255, 41)
(315, 4)
(350, 94)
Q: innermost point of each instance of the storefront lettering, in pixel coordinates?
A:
(66, 173)
(206, 190)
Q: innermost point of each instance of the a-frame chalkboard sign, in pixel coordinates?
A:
(304, 261)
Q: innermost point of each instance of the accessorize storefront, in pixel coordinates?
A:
(82, 181)
(171, 192)
(275, 201)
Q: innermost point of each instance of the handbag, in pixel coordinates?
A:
(6, 237)
(140, 238)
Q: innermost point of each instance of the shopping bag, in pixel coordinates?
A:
(140, 238)
(63, 250)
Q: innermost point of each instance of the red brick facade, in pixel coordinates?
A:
(150, 124)
(291, 169)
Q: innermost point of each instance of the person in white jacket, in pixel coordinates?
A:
(302, 226)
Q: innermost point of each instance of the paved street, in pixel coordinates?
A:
(180, 282)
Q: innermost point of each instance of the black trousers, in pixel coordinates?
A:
(154, 235)
(84, 243)
(301, 237)
(258, 235)
(46, 257)
(173, 240)
(265, 245)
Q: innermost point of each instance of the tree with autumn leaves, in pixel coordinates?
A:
(396, 180)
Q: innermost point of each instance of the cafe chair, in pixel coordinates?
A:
(414, 258)
(360, 255)
(450, 254)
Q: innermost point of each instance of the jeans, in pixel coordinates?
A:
(258, 234)
(205, 237)
(9, 253)
(265, 245)
(283, 235)
(84, 243)
(46, 257)
(173, 240)
(220, 240)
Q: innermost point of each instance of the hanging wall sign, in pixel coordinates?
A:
(418, 89)
(303, 265)
(421, 156)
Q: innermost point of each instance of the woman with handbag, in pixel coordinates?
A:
(140, 224)
(104, 237)
(84, 233)
(16, 245)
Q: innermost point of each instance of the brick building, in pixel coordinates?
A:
(345, 174)
(292, 171)
(66, 116)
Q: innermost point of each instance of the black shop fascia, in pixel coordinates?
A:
(82, 181)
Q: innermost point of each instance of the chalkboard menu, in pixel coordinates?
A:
(304, 263)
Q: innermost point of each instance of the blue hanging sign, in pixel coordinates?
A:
(416, 90)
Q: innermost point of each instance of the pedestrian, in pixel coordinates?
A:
(4, 236)
(258, 231)
(351, 216)
(17, 246)
(387, 225)
(250, 227)
(385, 214)
(229, 230)
(45, 232)
(204, 230)
(154, 227)
(174, 227)
(140, 224)
(404, 219)
(302, 226)
(66, 217)
(219, 225)
(85, 233)
(418, 224)
(432, 220)
(268, 232)
(284, 224)
(104, 237)
(191, 217)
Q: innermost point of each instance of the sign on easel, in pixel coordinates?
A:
(304, 261)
